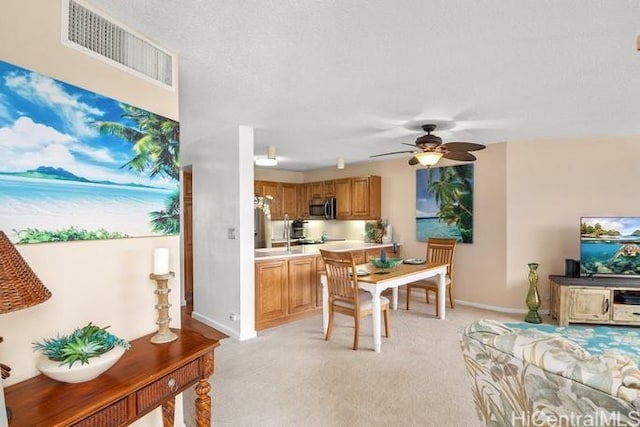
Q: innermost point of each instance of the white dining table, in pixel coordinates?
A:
(376, 282)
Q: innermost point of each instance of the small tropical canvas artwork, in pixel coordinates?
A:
(444, 203)
(76, 165)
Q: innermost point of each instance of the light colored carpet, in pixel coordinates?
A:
(290, 376)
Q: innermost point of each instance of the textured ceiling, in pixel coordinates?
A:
(350, 78)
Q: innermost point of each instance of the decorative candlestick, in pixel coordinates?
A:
(162, 291)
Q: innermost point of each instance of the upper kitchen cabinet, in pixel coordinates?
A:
(329, 188)
(366, 195)
(321, 189)
(290, 200)
(343, 198)
(304, 195)
(316, 190)
(269, 188)
(285, 197)
(358, 198)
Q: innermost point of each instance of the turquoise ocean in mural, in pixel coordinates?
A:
(118, 208)
(427, 227)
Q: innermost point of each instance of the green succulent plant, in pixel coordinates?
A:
(81, 345)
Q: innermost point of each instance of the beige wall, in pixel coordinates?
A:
(550, 185)
(102, 281)
(529, 197)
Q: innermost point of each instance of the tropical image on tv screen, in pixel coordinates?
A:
(610, 245)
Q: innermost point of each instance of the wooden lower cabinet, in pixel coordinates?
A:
(302, 284)
(285, 290)
(271, 290)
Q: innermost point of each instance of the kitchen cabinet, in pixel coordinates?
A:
(358, 198)
(304, 195)
(317, 190)
(285, 197)
(271, 291)
(273, 189)
(289, 200)
(366, 197)
(329, 189)
(343, 198)
(302, 285)
(285, 290)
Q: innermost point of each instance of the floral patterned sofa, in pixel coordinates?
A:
(524, 377)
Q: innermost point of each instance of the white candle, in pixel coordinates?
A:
(161, 261)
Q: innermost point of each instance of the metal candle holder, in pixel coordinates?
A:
(162, 291)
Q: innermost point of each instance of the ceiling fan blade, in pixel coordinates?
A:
(410, 145)
(459, 155)
(393, 152)
(463, 146)
(413, 161)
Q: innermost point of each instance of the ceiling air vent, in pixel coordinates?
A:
(88, 30)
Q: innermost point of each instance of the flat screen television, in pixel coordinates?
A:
(610, 246)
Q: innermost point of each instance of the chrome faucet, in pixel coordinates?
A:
(286, 233)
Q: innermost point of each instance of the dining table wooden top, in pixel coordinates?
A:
(378, 275)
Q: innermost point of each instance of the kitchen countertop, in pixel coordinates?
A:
(306, 250)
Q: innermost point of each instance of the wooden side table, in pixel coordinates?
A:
(148, 376)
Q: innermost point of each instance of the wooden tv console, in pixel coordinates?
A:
(593, 300)
(146, 377)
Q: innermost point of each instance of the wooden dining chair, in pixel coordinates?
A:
(344, 295)
(442, 251)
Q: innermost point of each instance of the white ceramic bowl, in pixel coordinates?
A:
(78, 372)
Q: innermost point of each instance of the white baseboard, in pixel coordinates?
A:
(498, 309)
(222, 328)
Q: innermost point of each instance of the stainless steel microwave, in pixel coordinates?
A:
(322, 208)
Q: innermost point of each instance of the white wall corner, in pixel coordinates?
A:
(245, 233)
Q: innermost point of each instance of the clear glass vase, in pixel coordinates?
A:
(533, 297)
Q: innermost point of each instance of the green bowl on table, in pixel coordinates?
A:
(387, 264)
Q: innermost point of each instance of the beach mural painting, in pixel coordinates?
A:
(444, 203)
(76, 165)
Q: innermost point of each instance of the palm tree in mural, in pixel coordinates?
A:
(167, 221)
(156, 149)
(454, 196)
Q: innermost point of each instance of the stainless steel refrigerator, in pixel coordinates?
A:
(262, 222)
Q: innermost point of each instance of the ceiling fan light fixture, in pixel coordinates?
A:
(270, 160)
(428, 158)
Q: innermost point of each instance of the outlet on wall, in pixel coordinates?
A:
(233, 317)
